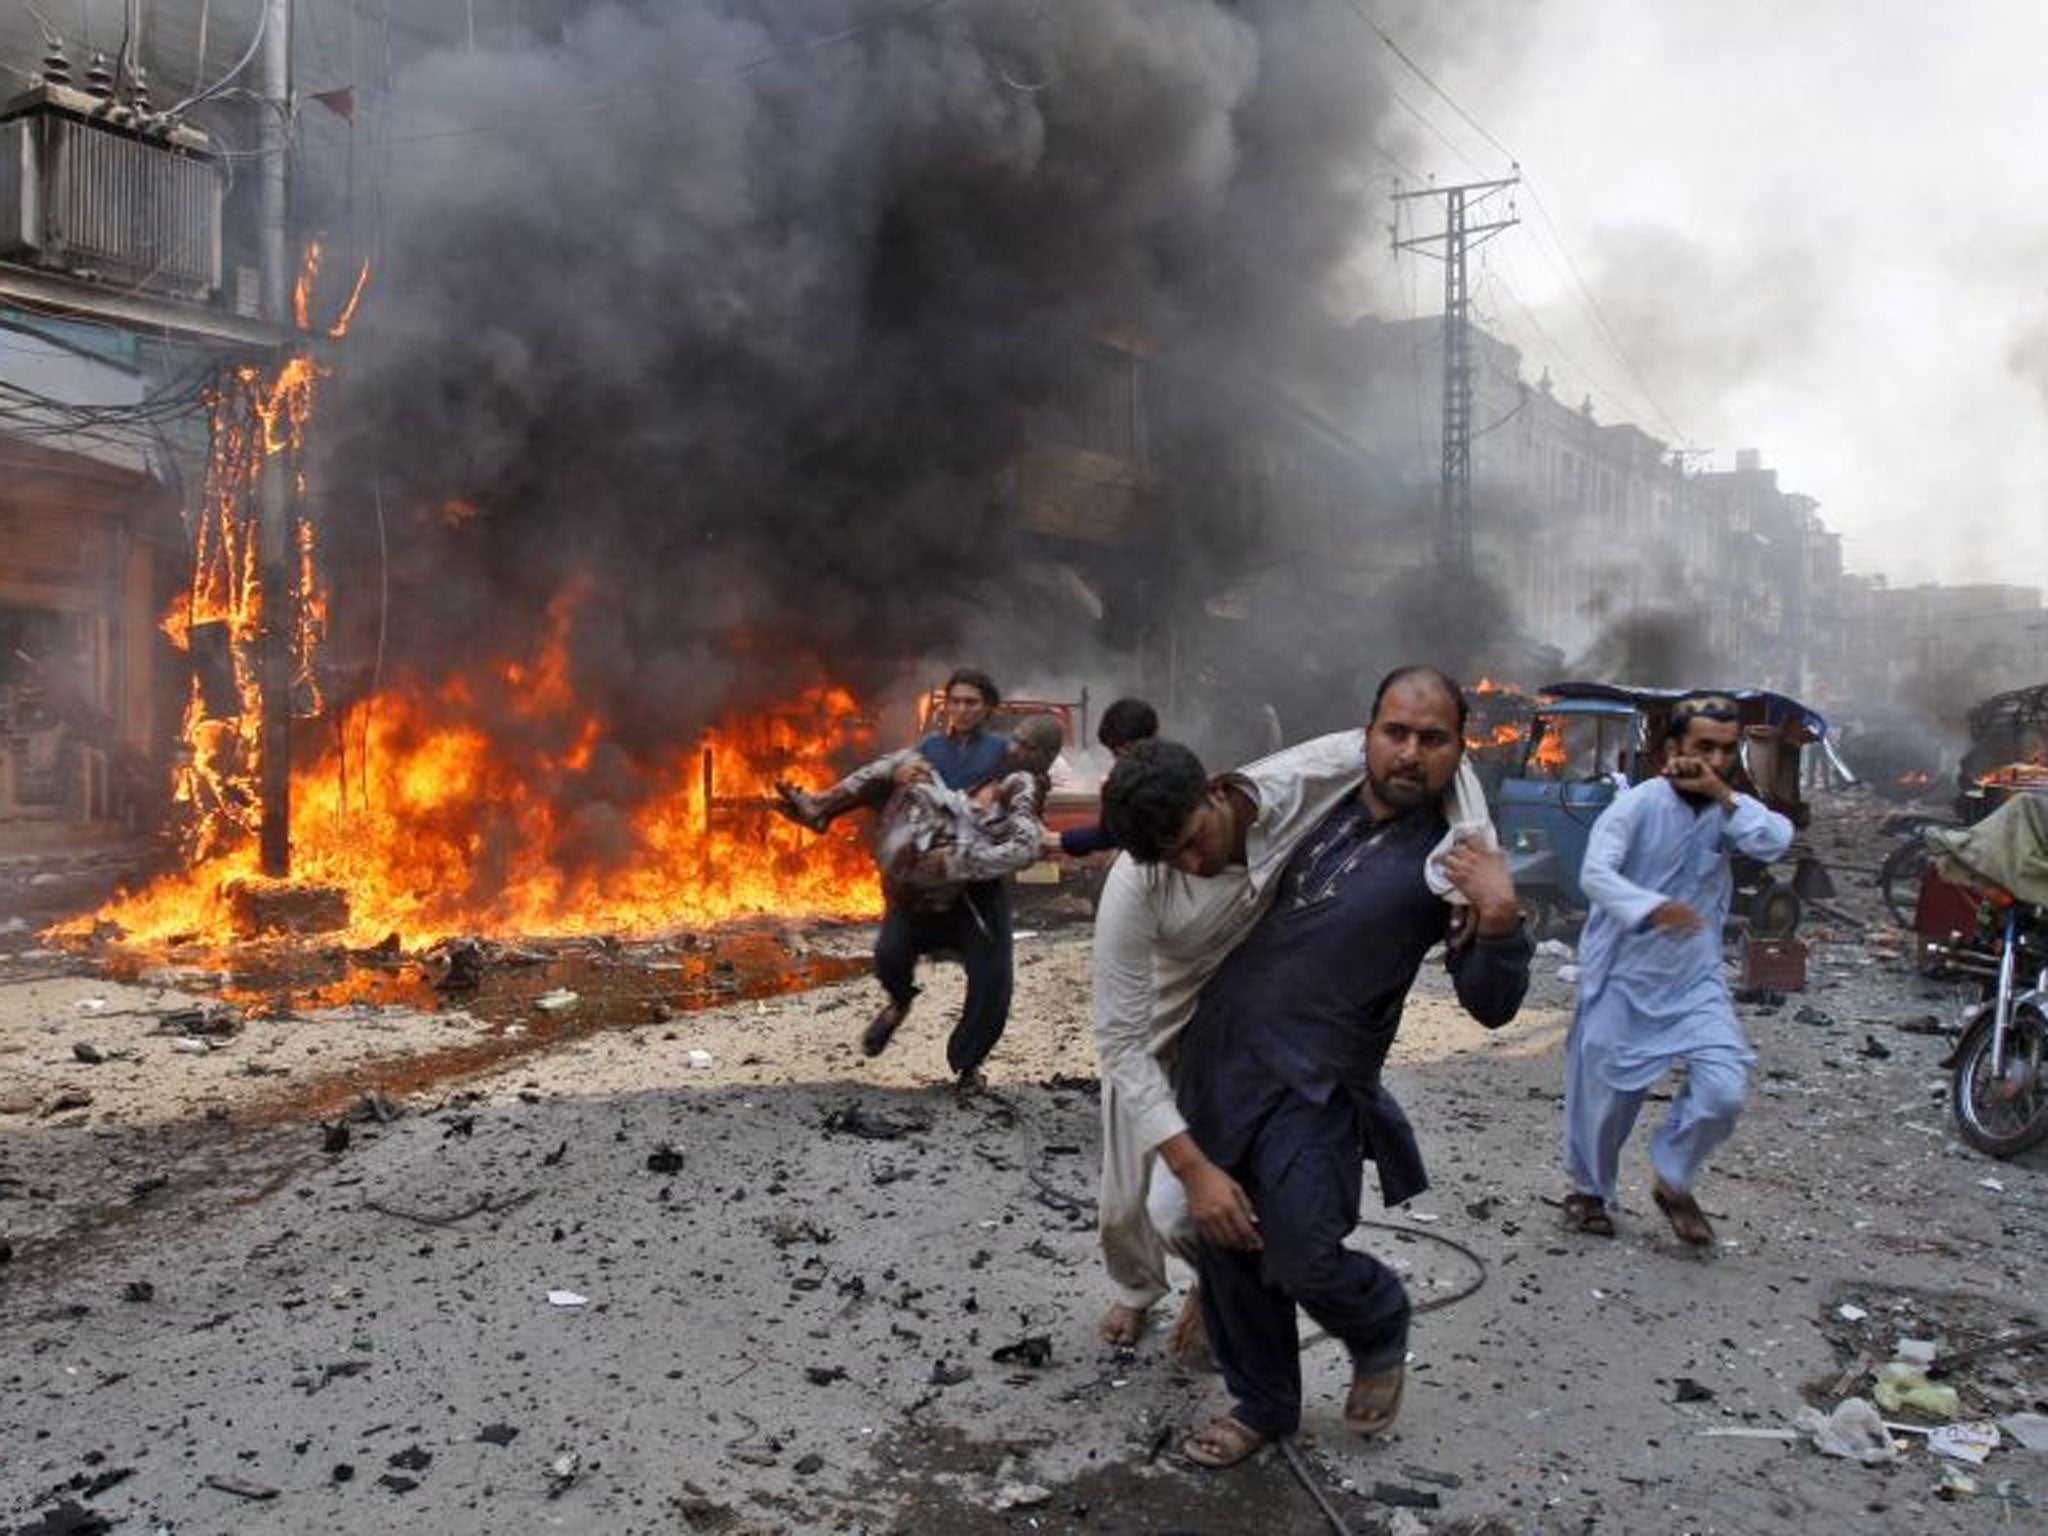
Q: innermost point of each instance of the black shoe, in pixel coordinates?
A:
(875, 1038)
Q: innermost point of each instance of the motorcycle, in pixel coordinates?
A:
(1999, 1090)
(1999, 1087)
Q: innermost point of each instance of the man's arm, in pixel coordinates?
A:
(1600, 877)
(1079, 842)
(1755, 829)
(1126, 929)
(1491, 972)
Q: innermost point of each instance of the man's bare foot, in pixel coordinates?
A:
(1122, 1326)
(1187, 1345)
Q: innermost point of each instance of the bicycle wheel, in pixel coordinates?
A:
(1899, 878)
(2004, 1113)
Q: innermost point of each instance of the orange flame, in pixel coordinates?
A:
(431, 829)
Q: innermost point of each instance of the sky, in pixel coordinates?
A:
(1815, 229)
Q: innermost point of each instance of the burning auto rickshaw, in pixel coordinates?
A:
(1589, 741)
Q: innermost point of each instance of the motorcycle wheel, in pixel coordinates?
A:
(2006, 1114)
(1899, 878)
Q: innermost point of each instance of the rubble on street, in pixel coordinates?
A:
(591, 1283)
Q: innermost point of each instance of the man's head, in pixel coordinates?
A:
(1160, 808)
(1414, 738)
(1708, 727)
(1034, 742)
(970, 695)
(1126, 723)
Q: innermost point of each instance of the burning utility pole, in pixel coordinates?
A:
(1458, 236)
(276, 491)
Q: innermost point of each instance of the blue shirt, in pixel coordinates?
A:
(963, 762)
(1079, 842)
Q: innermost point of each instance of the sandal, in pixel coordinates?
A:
(1223, 1443)
(1588, 1214)
(1374, 1401)
(1685, 1216)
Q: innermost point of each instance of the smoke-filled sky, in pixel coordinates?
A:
(1817, 229)
(730, 323)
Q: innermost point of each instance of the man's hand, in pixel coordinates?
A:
(1692, 776)
(1676, 917)
(1048, 843)
(1222, 1211)
(1480, 875)
(912, 770)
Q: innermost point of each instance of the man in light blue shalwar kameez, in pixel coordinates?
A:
(1651, 992)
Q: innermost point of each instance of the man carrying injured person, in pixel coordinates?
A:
(1206, 864)
(1278, 1072)
(943, 856)
(1651, 993)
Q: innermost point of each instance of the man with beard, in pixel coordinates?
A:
(1278, 1073)
(1651, 992)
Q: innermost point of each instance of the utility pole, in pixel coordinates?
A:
(1458, 236)
(277, 487)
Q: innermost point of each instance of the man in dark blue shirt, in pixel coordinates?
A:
(1279, 1071)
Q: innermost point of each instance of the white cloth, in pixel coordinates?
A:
(1465, 809)
(1159, 936)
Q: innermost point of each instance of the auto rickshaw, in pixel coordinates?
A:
(1589, 741)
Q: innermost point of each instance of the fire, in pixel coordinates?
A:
(1914, 778)
(1550, 751)
(424, 821)
(1506, 734)
(430, 827)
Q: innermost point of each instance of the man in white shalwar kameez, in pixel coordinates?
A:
(1161, 930)
(1651, 991)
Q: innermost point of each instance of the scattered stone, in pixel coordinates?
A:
(559, 1000)
(67, 1518)
(397, 1483)
(342, 1473)
(1875, 1049)
(665, 1159)
(1686, 1390)
(806, 1465)
(85, 1051)
(1034, 1350)
(1400, 1496)
(334, 1137)
(240, 1487)
(874, 1125)
(1021, 1496)
(497, 1434)
(411, 1459)
(139, 1291)
(949, 1373)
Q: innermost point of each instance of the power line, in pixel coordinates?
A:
(1603, 330)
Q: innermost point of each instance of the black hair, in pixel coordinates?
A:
(1149, 796)
(979, 681)
(1442, 679)
(1127, 721)
(1699, 706)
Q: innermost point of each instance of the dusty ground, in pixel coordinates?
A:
(212, 1323)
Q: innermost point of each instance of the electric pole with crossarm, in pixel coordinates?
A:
(1458, 236)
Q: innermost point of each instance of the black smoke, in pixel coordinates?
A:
(736, 314)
